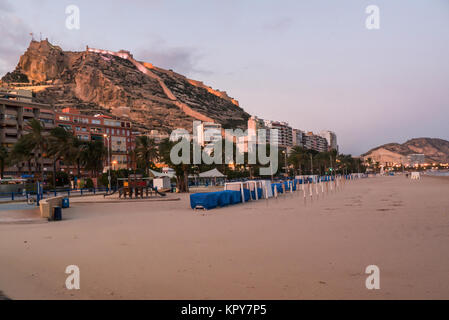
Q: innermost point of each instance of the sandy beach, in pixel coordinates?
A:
(282, 248)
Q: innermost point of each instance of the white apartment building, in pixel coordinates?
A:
(284, 133)
(331, 139)
(208, 132)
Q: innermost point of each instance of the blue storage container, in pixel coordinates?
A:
(65, 203)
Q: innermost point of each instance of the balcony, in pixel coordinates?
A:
(11, 140)
(44, 115)
(9, 130)
(8, 121)
(28, 112)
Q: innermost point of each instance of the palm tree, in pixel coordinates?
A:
(4, 155)
(37, 137)
(298, 157)
(62, 145)
(145, 152)
(182, 170)
(92, 155)
(22, 151)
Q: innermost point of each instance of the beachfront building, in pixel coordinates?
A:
(284, 136)
(298, 138)
(17, 108)
(416, 159)
(117, 134)
(157, 136)
(315, 142)
(254, 124)
(331, 139)
(208, 132)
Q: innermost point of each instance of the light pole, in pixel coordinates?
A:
(285, 162)
(109, 163)
(311, 163)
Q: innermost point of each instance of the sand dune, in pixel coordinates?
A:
(277, 249)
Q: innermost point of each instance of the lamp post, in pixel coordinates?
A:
(285, 162)
(311, 163)
(109, 163)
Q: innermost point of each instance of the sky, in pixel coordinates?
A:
(311, 63)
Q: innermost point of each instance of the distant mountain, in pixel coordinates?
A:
(435, 150)
(115, 83)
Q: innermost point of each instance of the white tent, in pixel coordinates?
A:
(214, 173)
(160, 174)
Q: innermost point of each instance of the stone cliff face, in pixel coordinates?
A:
(114, 83)
(435, 150)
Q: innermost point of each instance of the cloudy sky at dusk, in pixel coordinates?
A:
(311, 63)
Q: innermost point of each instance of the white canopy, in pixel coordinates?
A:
(160, 174)
(214, 173)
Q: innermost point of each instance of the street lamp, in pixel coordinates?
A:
(109, 163)
(285, 162)
(311, 163)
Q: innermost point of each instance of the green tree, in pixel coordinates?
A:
(181, 170)
(92, 155)
(4, 157)
(146, 152)
(37, 137)
(298, 158)
(22, 151)
(62, 146)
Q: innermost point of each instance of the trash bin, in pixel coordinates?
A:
(65, 203)
(57, 216)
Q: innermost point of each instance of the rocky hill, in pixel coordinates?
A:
(115, 83)
(435, 150)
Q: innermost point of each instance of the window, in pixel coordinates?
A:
(112, 123)
(66, 126)
(47, 121)
(107, 130)
(77, 128)
(8, 116)
(64, 118)
(96, 121)
(81, 120)
(84, 129)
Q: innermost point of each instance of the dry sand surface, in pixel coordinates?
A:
(276, 249)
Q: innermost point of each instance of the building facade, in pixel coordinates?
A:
(16, 111)
(315, 142)
(331, 139)
(284, 135)
(116, 134)
(298, 138)
(415, 159)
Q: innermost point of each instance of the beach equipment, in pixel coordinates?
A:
(278, 186)
(235, 196)
(415, 176)
(207, 200)
(243, 187)
(257, 189)
(266, 186)
(211, 200)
